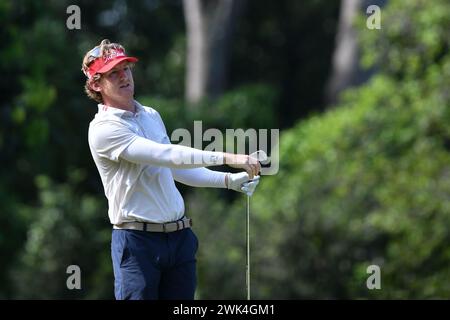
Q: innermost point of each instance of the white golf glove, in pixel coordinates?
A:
(240, 182)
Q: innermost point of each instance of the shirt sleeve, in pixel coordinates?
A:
(200, 177)
(145, 151)
(109, 139)
(196, 177)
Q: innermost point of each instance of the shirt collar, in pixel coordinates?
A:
(120, 112)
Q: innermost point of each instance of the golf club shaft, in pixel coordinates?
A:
(248, 248)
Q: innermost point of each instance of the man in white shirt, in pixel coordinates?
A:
(153, 246)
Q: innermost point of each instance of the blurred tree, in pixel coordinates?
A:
(209, 26)
(287, 45)
(347, 70)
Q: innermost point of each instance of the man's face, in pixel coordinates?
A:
(117, 84)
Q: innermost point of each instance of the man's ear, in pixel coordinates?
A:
(95, 85)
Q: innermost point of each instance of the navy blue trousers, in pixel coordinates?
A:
(154, 265)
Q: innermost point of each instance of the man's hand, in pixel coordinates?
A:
(241, 182)
(241, 161)
(249, 187)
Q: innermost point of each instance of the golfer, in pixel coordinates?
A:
(153, 247)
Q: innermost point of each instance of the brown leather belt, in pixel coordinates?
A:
(156, 227)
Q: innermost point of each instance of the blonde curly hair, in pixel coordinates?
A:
(105, 47)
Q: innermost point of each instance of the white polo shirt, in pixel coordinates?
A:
(143, 189)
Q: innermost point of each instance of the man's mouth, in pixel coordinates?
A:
(125, 85)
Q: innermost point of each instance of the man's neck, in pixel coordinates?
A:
(124, 105)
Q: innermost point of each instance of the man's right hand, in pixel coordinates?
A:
(240, 182)
(241, 161)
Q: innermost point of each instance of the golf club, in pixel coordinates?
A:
(261, 156)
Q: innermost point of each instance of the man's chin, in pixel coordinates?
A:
(127, 91)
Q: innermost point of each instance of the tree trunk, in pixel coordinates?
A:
(346, 70)
(209, 25)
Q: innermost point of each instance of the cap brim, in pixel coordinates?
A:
(111, 64)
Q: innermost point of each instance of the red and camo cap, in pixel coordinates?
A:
(105, 63)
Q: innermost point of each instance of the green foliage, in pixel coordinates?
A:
(12, 237)
(165, 76)
(67, 229)
(356, 187)
(244, 107)
(221, 253)
(366, 183)
(413, 37)
(247, 105)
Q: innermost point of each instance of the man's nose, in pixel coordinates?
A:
(122, 75)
